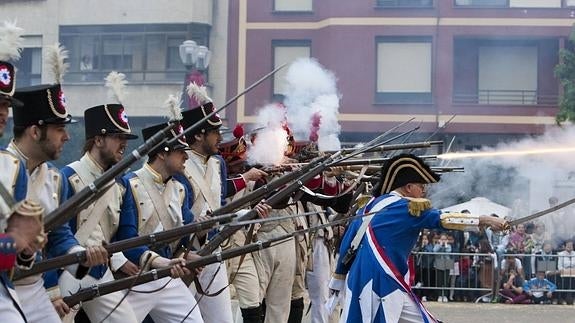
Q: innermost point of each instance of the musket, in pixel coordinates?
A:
(359, 162)
(286, 192)
(119, 246)
(89, 293)
(88, 194)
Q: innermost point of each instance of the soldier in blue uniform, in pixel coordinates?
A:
(23, 233)
(107, 132)
(372, 270)
(206, 177)
(154, 201)
(39, 136)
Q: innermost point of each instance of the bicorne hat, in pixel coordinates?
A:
(107, 119)
(404, 169)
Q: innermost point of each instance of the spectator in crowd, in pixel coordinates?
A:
(454, 272)
(512, 286)
(566, 266)
(544, 259)
(538, 237)
(467, 276)
(511, 260)
(518, 242)
(539, 289)
(442, 264)
(424, 264)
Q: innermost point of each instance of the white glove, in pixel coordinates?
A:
(336, 285)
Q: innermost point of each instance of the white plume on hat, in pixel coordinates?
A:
(10, 41)
(199, 93)
(55, 58)
(116, 84)
(173, 106)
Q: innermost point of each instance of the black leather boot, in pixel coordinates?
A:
(296, 311)
(252, 315)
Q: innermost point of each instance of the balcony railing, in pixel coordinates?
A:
(404, 3)
(513, 3)
(132, 76)
(506, 97)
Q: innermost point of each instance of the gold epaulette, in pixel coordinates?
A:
(418, 205)
(362, 200)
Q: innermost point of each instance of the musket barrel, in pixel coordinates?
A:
(424, 144)
(119, 246)
(68, 209)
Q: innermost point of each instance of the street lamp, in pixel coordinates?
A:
(196, 60)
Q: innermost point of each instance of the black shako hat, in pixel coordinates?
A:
(8, 83)
(107, 119)
(401, 170)
(42, 104)
(190, 117)
(179, 144)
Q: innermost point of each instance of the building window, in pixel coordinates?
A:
(482, 3)
(145, 53)
(403, 70)
(405, 3)
(29, 67)
(293, 5)
(507, 75)
(285, 52)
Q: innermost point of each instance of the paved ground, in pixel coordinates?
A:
(484, 313)
(491, 313)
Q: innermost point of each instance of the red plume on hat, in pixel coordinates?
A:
(315, 122)
(238, 131)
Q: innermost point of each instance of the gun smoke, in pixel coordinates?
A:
(522, 182)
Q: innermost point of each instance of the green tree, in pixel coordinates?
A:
(565, 72)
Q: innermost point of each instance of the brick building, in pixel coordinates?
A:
(490, 62)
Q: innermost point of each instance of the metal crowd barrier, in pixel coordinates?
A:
(472, 275)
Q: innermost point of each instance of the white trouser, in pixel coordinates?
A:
(398, 307)
(169, 304)
(318, 281)
(217, 309)
(99, 308)
(276, 270)
(8, 311)
(36, 303)
(246, 281)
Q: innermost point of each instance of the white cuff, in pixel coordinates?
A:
(117, 261)
(146, 264)
(337, 284)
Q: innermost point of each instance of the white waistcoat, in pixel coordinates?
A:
(199, 172)
(108, 223)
